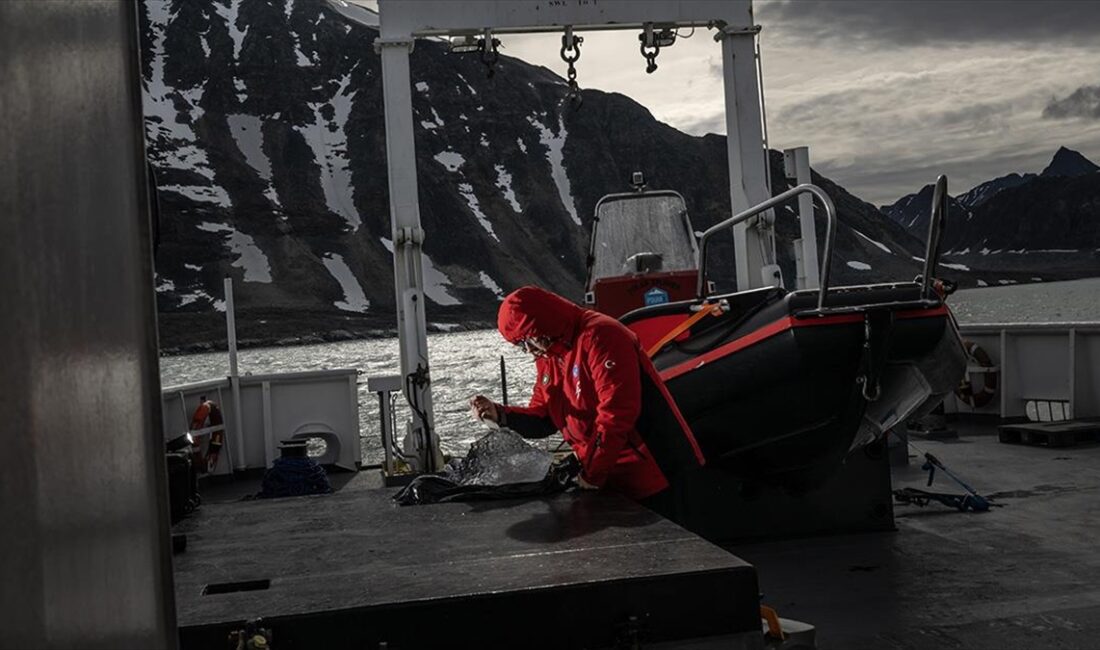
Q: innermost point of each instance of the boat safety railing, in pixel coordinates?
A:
(779, 199)
(935, 235)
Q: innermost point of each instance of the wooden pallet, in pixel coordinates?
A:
(1051, 434)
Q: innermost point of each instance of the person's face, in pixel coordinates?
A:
(535, 345)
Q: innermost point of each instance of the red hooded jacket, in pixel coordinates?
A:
(596, 385)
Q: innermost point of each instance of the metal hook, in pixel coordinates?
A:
(487, 47)
(649, 48)
(869, 394)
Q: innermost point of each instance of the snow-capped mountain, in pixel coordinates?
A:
(266, 135)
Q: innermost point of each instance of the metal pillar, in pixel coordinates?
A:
(234, 374)
(85, 556)
(754, 241)
(796, 163)
(408, 240)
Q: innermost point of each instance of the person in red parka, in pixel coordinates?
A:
(597, 387)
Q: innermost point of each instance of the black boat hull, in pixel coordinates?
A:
(772, 392)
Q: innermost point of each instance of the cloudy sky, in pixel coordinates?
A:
(885, 94)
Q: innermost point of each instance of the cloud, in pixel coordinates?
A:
(886, 94)
(713, 121)
(1083, 102)
(927, 22)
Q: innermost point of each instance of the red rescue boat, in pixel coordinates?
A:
(775, 384)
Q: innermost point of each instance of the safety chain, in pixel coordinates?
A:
(650, 53)
(487, 47)
(570, 53)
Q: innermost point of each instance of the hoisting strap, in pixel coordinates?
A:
(704, 310)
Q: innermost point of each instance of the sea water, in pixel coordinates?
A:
(463, 364)
(467, 363)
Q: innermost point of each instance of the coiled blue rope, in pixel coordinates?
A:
(293, 477)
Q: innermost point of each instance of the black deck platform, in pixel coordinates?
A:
(353, 570)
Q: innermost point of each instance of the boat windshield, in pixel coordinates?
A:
(644, 233)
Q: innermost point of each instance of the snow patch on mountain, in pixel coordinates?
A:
(229, 14)
(249, 256)
(436, 283)
(354, 12)
(504, 182)
(354, 298)
(200, 193)
(468, 86)
(450, 159)
(467, 192)
(169, 128)
(329, 142)
(489, 284)
(435, 123)
(879, 244)
(554, 145)
(247, 131)
(195, 295)
(859, 266)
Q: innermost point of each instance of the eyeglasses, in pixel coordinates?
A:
(529, 346)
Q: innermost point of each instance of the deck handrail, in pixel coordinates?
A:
(779, 199)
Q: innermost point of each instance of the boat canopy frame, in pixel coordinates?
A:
(684, 218)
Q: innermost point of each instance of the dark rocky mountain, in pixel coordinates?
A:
(1020, 228)
(914, 211)
(266, 134)
(1070, 163)
(985, 191)
(1051, 213)
(1046, 229)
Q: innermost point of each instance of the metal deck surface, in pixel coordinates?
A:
(351, 570)
(1023, 576)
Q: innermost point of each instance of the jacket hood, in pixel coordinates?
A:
(531, 311)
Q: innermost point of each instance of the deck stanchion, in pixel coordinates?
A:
(234, 376)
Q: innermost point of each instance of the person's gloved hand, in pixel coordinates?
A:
(483, 408)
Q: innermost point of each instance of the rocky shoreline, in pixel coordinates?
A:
(195, 333)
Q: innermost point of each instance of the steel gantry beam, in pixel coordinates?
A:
(401, 22)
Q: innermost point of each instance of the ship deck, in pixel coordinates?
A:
(353, 570)
(1024, 576)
